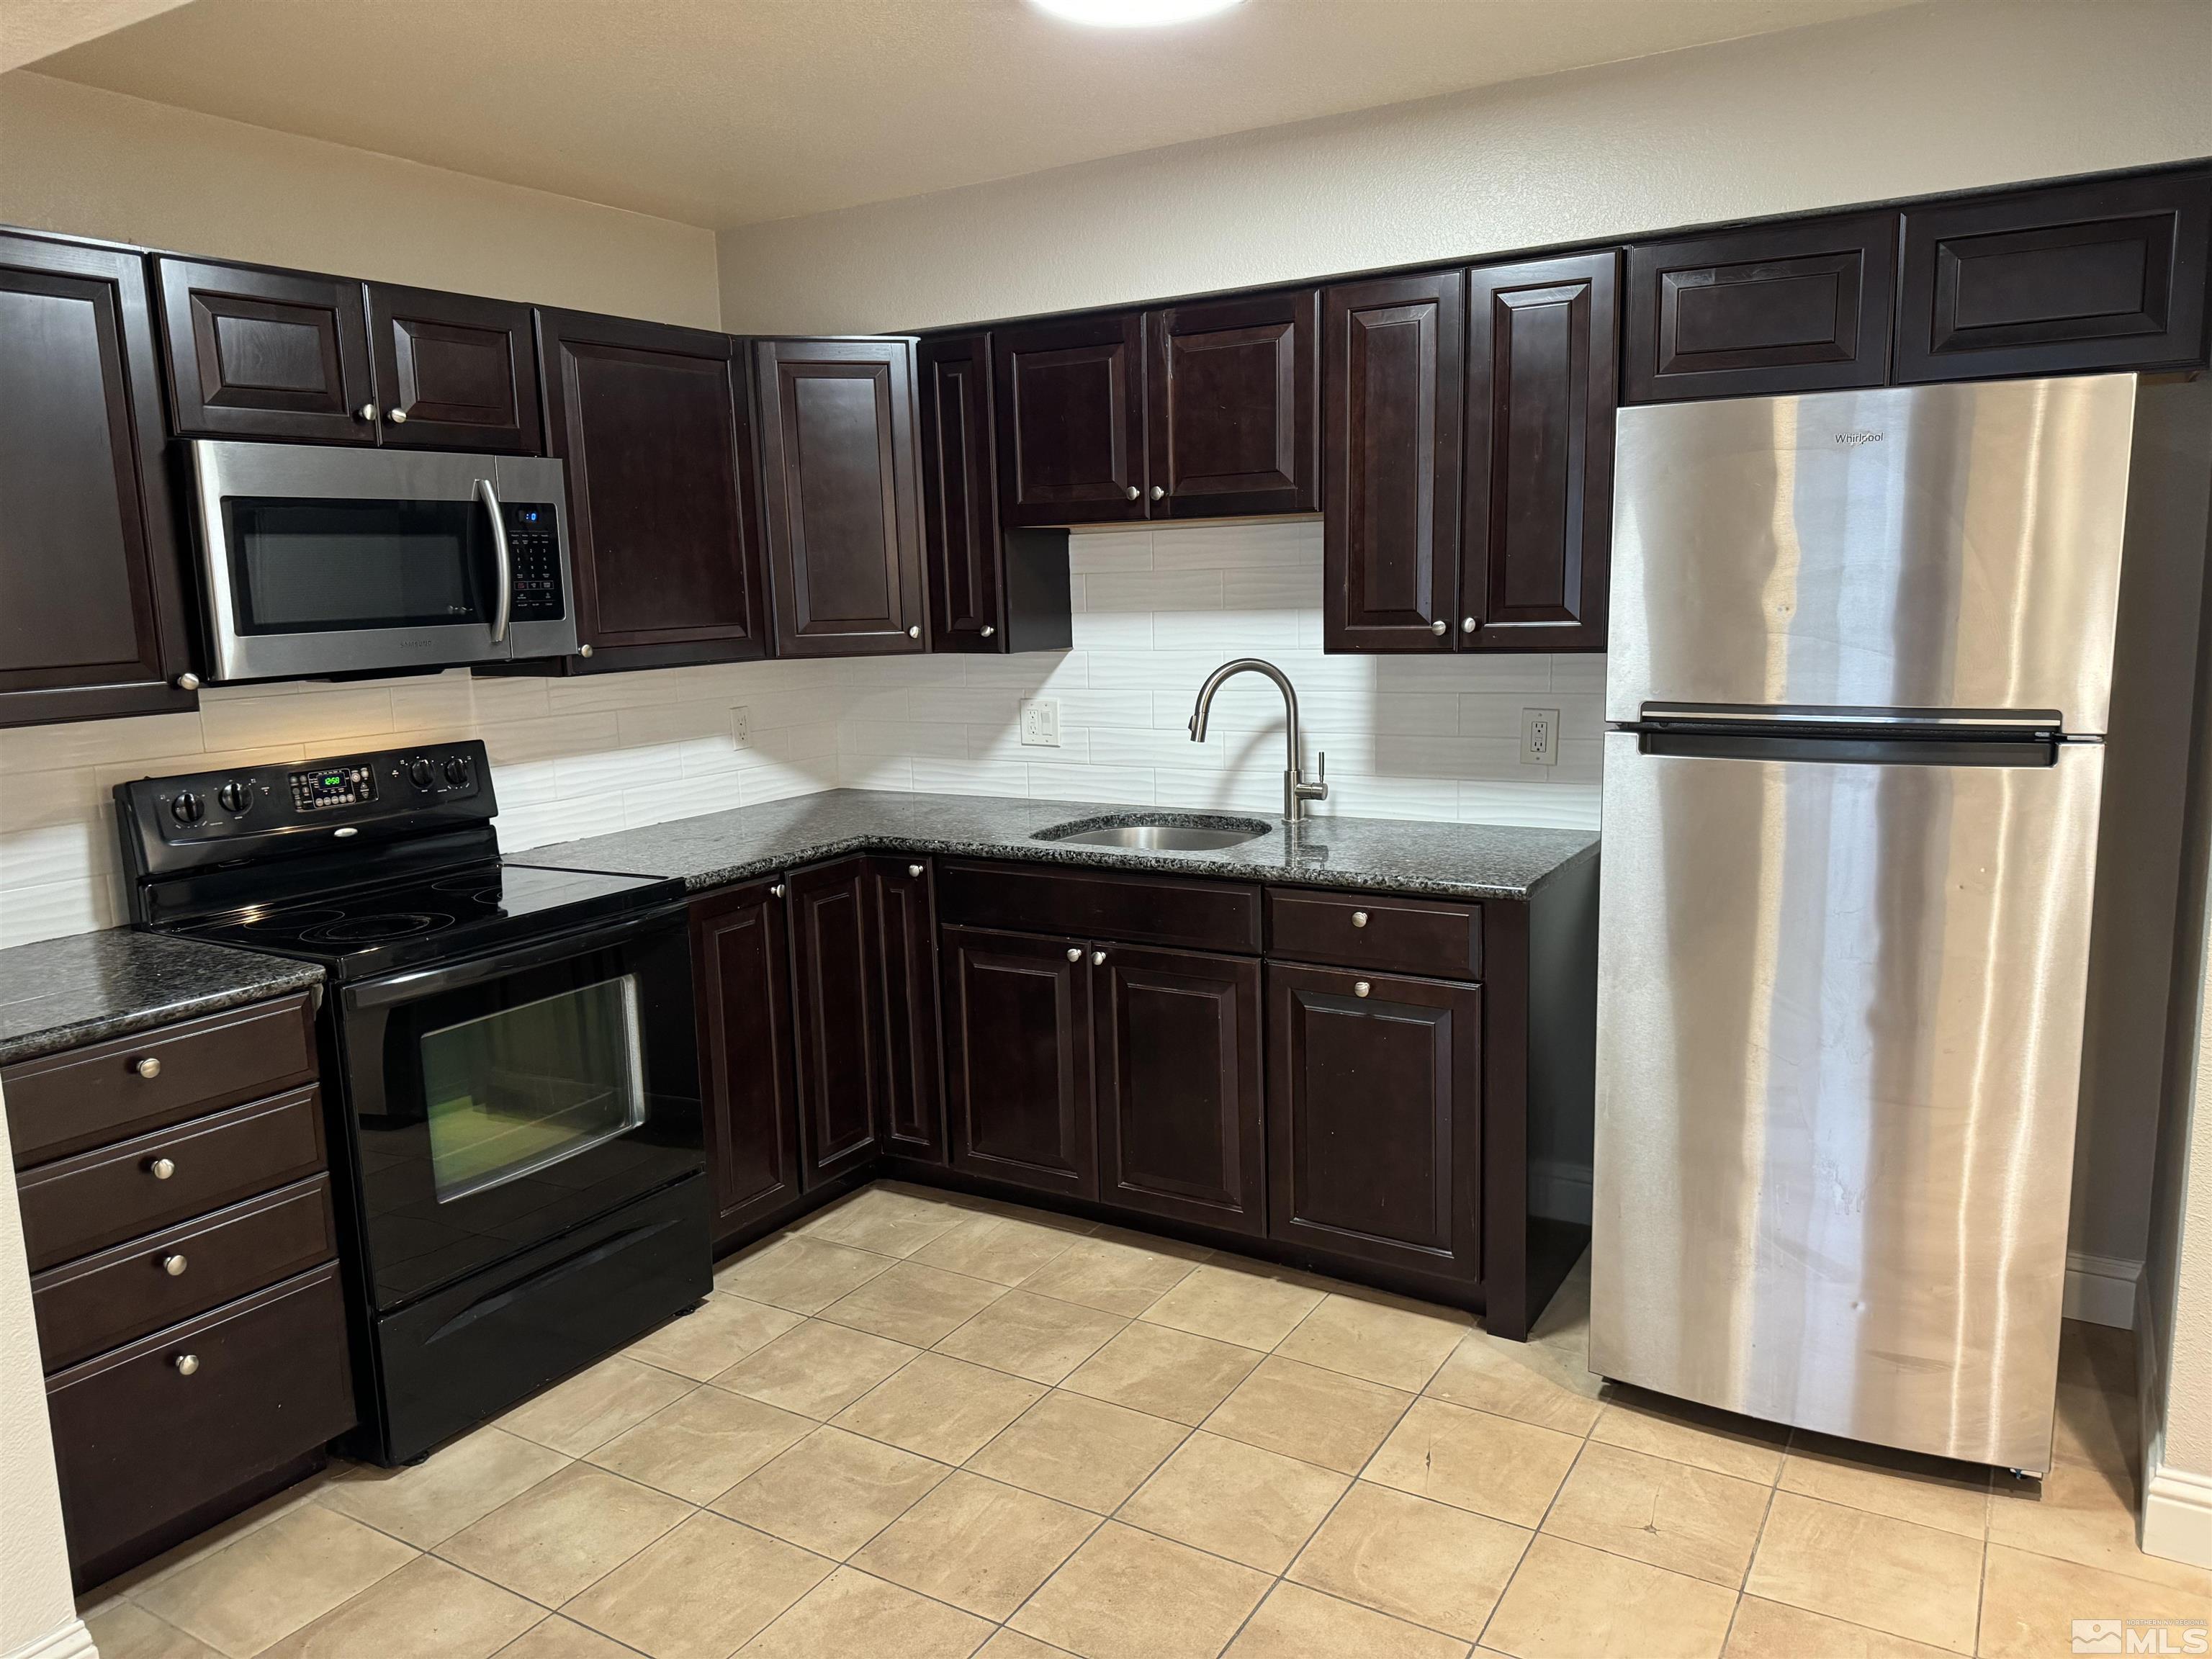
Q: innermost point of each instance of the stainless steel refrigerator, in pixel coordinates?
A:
(1861, 662)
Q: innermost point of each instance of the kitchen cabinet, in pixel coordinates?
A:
(93, 605)
(902, 919)
(838, 1016)
(654, 425)
(1070, 412)
(1392, 400)
(990, 589)
(741, 969)
(453, 371)
(2106, 274)
(1230, 395)
(1538, 527)
(1017, 1059)
(267, 354)
(838, 460)
(1374, 1118)
(1801, 305)
(1177, 1064)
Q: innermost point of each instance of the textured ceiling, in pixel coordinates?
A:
(723, 113)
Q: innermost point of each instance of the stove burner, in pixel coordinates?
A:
(293, 919)
(368, 930)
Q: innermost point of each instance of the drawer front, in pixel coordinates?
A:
(1203, 915)
(120, 1294)
(138, 1443)
(1432, 937)
(88, 1202)
(66, 1102)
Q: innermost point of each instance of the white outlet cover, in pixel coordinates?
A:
(1540, 737)
(1041, 722)
(741, 727)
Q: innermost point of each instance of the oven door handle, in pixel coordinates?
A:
(502, 560)
(430, 982)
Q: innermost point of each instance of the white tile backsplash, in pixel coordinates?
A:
(1157, 610)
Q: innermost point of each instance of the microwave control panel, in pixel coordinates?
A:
(533, 547)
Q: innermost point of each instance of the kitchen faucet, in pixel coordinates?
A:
(1295, 790)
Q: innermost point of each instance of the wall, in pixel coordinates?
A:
(1903, 102)
(96, 163)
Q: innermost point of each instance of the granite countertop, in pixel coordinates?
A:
(1391, 855)
(64, 992)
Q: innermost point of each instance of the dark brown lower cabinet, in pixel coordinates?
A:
(903, 920)
(841, 1084)
(1017, 1059)
(740, 960)
(1375, 1118)
(1176, 1061)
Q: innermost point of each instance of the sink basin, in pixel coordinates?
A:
(1157, 832)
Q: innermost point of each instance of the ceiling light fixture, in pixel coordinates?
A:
(1133, 14)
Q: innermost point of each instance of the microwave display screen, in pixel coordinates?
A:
(333, 786)
(307, 566)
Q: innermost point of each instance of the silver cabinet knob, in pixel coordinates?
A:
(367, 412)
(186, 1364)
(1359, 918)
(914, 869)
(583, 650)
(397, 417)
(188, 681)
(1438, 626)
(174, 1266)
(1133, 492)
(1075, 953)
(989, 630)
(1097, 957)
(1360, 987)
(1466, 625)
(776, 891)
(915, 632)
(161, 1169)
(149, 1067)
(1157, 492)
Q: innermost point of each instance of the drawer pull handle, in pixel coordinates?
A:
(1360, 987)
(174, 1266)
(148, 1068)
(914, 869)
(1075, 953)
(161, 1168)
(1359, 918)
(186, 1364)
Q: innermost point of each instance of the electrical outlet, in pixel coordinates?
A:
(1041, 722)
(1540, 737)
(741, 727)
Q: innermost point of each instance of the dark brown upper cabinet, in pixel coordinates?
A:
(902, 921)
(838, 460)
(267, 354)
(1230, 388)
(838, 1019)
(1069, 399)
(92, 599)
(655, 424)
(1541, 373)
(1017, 1059)
(2099, 276)
(1769, 308)
(740, 966)
(1391, 387)
(453, 372)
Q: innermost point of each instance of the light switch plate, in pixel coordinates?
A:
(1041, 722)
(1540, 737)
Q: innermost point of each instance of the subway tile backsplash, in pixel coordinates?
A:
(1156, 611)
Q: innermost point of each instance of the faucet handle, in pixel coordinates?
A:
(1317, 790)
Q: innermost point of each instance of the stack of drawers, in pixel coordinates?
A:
(176, 1205)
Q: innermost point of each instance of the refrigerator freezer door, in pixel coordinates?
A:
(1941, 547)
(1839, 1030)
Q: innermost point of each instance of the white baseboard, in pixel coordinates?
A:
(2177, 1515)
(71, 1641)
(2102, 1289)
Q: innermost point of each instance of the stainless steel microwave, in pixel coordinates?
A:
(321, 561)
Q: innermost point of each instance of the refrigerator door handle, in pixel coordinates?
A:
(1846, 748)
(1674, 715)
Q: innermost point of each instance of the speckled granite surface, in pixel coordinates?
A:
(64, 992)
(1454, 860)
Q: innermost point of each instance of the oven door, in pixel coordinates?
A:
(323, 561)
(502, 1102)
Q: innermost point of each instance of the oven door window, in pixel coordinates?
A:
(301, 566)
(513, 1092)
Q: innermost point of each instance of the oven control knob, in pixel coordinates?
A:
(186, 808)
(420, 775)
(457, 771)
(234, 796)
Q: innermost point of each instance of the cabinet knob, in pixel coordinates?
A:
(1466, 625)
(1360, 987)
(186, 1364)
(1157, 492)
(1438, 626)
(915, 632)
(174, 1266)
(1075, 953)
(776, 891)
(161, 1169)
(989, 630)
(367, 412)
(188, 681)
(583, 650)
(1359, 918)
(397, 417)
(914, 869)
(1097, 957)
(1133, 492)
(149, 1067)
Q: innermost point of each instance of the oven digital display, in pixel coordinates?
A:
(333, 786)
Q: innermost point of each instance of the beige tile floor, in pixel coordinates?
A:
(919, 1426)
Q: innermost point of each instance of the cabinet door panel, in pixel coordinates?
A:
(91, 605)
(1175, 1038)
(1374, 1119)
(839, 1021)
(654, 426)
(905, 926)
(454, 372)
(1391, 402)
(2109, 275)
(1017, 1059)
(1232, 389)
(838, 460)
(265, 354)
(960, 494)
(1071, 418)
(1766, 309)
(741, 963)
(1538, 529)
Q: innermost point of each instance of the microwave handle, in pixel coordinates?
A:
(503, 606)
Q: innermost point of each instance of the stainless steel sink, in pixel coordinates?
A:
(1159, 832)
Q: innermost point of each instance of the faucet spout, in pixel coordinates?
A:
(1295, 790)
